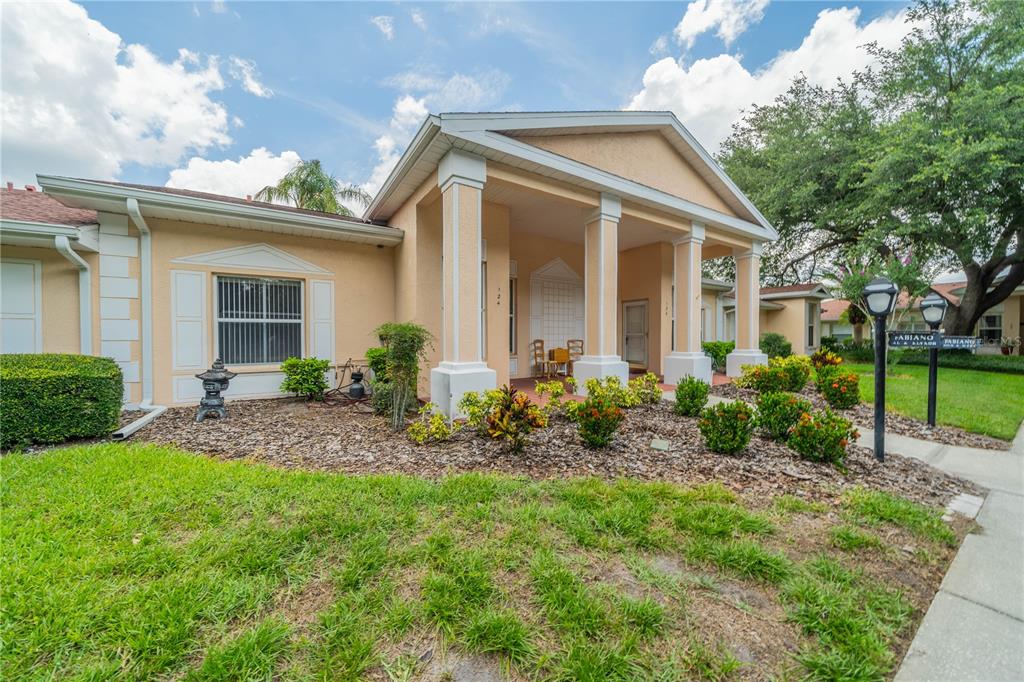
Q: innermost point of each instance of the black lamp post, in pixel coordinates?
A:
(880, 299)
(933, 309)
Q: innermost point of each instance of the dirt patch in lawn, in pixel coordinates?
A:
(864, 415)
(288, 433)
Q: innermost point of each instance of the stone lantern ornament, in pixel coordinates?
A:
(215, 381)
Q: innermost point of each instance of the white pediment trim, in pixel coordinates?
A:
(254, 257)
(556, 269)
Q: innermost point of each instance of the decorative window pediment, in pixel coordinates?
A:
(255, 257)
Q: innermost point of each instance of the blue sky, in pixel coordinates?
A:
(346, 83)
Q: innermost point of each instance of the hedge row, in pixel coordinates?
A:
(50, 398)
(1007, 364)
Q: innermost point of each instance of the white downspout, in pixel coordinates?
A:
(63, 246)
(146, 267)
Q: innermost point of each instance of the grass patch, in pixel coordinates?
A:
(142, 562)
(791, 504)
(875, 506)
(963, 397)
(852, 539)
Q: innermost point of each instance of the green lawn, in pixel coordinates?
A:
(139, 562)
(982, 402)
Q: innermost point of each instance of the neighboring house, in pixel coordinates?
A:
(793, 311)
(1005, 319)
(492, 230)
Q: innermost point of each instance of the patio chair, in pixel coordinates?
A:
(545, 366)
(575, 347)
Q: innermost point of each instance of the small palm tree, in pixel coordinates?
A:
(309, 186)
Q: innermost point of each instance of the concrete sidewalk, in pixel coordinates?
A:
(974, 628)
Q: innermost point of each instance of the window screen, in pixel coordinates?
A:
(259, 320)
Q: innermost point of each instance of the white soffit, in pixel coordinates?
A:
(254, 257)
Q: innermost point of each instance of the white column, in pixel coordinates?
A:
(687, 357)
(601, 289)
(461, 178)
(748, 312)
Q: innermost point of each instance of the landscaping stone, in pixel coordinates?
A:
(660, 444)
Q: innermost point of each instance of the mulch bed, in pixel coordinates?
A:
(290, 433)
(864, 415)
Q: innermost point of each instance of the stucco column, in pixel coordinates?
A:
(748, 311)
(461, 178)
(601, 289)
(687, 357)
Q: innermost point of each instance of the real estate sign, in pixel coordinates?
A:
(931, 340)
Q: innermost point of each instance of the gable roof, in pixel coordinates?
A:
(494, 137)
(36, 207)
(833, 308)
(808, 290)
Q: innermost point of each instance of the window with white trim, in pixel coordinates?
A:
(990, 327)
(259, 319)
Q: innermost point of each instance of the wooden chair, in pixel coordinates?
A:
(540, 359)
(575, 352)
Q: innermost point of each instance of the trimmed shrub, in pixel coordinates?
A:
(597, 418)
(779, 412)
(957, 359)
(513, 417)
(51, 398)
(691, 396)
(825, 358)
(727, 427)
(763, 379)
(377, 361)
(840, 388)
(830, 343)
(822, 436)
(305, 376)
(852, 351)
(775, 345)
(797, 369)
(612, 388)
(717, 351)
(644, 390)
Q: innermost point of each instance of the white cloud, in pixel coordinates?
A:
(386, 25)
(730, 17)
(659, 46)
(78, 101)
(417, 18)
(244, 71)
(709, 95)
(423, 92)
(218, 6)
(237, 122)
(248, 175)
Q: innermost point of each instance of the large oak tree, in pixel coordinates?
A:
(926, 152)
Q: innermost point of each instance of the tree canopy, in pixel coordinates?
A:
(926, 153)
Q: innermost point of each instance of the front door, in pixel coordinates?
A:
(634, 331)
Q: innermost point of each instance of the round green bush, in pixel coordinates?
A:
(778, 412)
(691, 396)
(763, 379)
(775, 345)
(727, 427)
(822, 436)
(840, 388)
(797, 371)
(51, 398)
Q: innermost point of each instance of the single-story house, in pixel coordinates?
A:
(493, 230)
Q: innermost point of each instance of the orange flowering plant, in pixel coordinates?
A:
(763, 379)
(778, 412)
(597, 419)
(727, 427)
(840, 388)
(823, 436)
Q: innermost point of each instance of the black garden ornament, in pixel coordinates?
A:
(215, 381)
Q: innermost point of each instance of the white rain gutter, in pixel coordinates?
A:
(146, 268)
(154, 412)
(63, 246)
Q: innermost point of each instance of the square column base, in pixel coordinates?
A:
(599, 367)
(679, 365)
(735, 360)
(449, 381)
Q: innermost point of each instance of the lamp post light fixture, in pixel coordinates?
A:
(933, 309)
(880, 299)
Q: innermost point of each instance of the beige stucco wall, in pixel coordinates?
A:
(645, 274)
(792, 322)
(363, 277)
(644, 157)
(59, 306)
